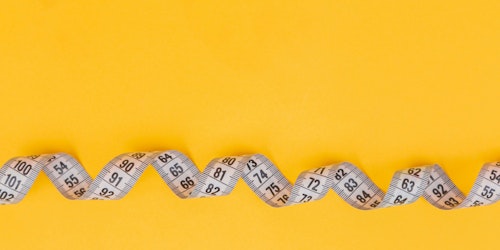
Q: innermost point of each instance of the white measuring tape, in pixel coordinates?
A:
(261, 175)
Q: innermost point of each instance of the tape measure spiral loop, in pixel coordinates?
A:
(221, 175)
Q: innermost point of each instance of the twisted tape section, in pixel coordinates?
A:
(221, 175)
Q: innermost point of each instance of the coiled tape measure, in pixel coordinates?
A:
(221, 175)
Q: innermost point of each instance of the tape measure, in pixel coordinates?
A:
(221, 175)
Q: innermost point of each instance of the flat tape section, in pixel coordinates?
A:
(221, 175)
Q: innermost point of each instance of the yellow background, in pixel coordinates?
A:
(383, 84)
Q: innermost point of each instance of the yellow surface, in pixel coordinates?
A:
(384, 84)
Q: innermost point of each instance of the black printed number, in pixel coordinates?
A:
(260, 176)
(407, 185)
(12, 181)
(363, 197)
(375, 204)
(5, 196)
(79, 192)
(494, 176)
(451, 202)
(211, 189)
(339, 174)
(273, 188)
(115, 179)
(439, 191)
(186, 183)
(106, 193)
(414, 171)
(22, 167)
(488, 192)
(137, 155)
(351, 184)
(251, 164)
(305, 198)
(313, 184)
(400, 200)
(283, 198)
(477, 203)
(228, 160)
(219, 173)
(165, 158)
(71, 181)
(61, 168)
(176, 169)
(126, 165)
(319, 170)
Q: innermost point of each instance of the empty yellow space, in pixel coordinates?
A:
(385, 85)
